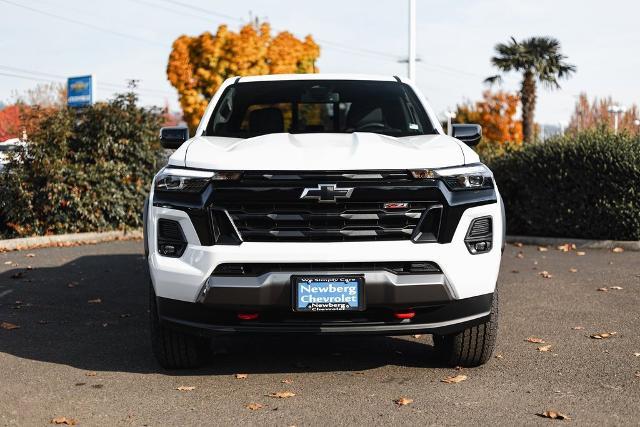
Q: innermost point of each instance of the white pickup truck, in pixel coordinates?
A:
(323, 204)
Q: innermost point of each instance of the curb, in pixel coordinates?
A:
(628, 245)
(68, 240)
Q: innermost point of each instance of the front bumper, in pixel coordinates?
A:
(444, 317)
(184, 278)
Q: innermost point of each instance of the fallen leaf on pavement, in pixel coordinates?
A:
(573, 270)
(186, 388)
(603, 289)
(8, 326)
(617, 250)
(254, 406)
(241, 376)
(7, 262)
(64, 420)
(616, 288)
(542, 249)
(498, 356)
(286, 381)
(535, 340)
(603, 335)
(518, 244)
(581, 253)
(90, 374)
(638, 374)
(32, 255)
(403, 401)
(520, 255)
(95, 301)
(578, 328)
(545, 274)
(567, 247)
(454, 380)
(545, 348)
(636, 354)
(282, 394)
(554, 415)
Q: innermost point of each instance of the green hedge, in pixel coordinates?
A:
(583, 186)
(82, 171)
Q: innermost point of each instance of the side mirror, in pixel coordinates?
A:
(467, 133)
(174, 136)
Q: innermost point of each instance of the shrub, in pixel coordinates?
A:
(85, 170)
(583, 186)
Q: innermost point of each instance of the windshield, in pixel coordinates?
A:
(318, 106)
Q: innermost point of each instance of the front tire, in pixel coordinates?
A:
(472, 346)
(173, 349)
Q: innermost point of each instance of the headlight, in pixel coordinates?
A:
(472, 177)
(189, 180)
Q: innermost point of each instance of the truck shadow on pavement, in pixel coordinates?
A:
(91, 313)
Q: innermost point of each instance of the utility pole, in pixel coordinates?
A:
(615, 110)
(412, 40)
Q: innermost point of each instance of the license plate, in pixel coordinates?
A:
(328, 293)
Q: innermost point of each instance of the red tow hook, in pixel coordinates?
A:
(404, 314)
(248, 316)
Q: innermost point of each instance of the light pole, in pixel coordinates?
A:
(412, 40)
(450, 116)
(615, 110)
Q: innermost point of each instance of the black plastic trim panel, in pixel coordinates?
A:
(442, 318)
(257, 269)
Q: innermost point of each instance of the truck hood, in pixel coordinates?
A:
(322, 151)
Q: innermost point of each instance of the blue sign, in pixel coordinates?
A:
(80, 91)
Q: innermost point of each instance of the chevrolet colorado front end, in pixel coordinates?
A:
(323, 204)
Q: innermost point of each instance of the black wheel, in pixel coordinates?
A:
(173, 349)
(472, 346)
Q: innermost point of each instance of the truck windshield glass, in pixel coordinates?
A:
(318, 106)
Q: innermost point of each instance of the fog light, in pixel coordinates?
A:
(171, 240)
(479, 237)
(480, 246)
(168, 250)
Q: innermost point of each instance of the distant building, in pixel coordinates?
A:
(546, 131)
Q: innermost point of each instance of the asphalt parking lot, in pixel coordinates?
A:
(81, 351)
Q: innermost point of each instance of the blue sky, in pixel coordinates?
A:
(455, 42)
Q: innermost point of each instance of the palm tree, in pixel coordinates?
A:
(539, 60)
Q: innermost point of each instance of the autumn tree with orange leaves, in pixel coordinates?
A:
(496, 113)
(198, 65)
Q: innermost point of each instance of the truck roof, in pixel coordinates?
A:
(318, 76)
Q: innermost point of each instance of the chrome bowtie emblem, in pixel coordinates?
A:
(326, 193)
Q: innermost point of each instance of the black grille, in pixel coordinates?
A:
(480, 227)
(170, 230)
(313, 221)
(256, 269)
